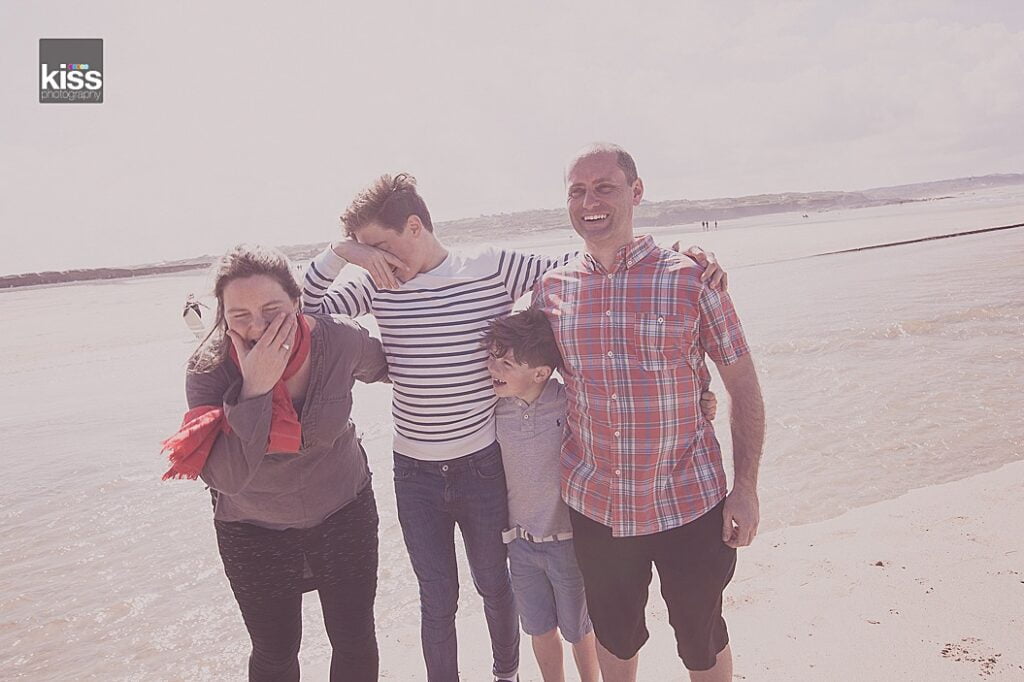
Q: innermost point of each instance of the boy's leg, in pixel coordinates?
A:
(584, 652)
(482, 514)
(547, 648)
(429, 531)
(535, 600)
(563, 572)
(342, 552)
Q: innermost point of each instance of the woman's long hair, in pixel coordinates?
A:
(245, 260)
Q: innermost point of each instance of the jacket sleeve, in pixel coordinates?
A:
(236, 455)
(370, 364)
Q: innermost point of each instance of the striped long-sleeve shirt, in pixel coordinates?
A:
(443, 398)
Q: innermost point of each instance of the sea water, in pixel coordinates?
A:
(882, 371)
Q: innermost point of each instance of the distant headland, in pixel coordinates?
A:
(532, 223)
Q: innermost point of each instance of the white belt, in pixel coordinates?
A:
(516, 533)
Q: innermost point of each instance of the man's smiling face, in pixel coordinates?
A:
(599, 199)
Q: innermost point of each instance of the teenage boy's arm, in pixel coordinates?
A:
(321, 294)
(523, 270)
(714, 274)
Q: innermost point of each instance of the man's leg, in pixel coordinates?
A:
(721, 672)
(695, 566)
(481, 500)
(615, 669)
(617, 575)
(429, 532)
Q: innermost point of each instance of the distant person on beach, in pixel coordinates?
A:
(290, 491)
(531, 425)
(432, 303)
(642, 468)
(191, 303)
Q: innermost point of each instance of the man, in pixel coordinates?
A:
(642, 469)
(432, 304)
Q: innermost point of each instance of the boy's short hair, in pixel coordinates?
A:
(528, 335)
(388, 201)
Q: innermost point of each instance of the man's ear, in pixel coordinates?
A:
(541, 374)
(638, 191)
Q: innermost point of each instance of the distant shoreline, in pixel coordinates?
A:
(531, 223)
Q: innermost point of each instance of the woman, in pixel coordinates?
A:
(268, 429)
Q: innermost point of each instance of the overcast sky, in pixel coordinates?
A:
(233, 121)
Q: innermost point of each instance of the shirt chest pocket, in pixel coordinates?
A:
(660, 342)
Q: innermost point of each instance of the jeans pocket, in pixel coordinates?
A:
(488, 465)
(404, 470)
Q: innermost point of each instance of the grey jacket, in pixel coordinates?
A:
(291, 490)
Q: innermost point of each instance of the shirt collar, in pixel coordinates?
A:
(547, 394)
(627, 256)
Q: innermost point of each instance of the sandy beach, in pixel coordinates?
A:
(927, 586)
(892, 485)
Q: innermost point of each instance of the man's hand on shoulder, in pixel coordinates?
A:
(382, 266)
(714, 275)
(740, 516)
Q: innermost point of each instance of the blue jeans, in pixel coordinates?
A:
(432, 497)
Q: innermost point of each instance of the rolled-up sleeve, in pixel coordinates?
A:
(721, 334)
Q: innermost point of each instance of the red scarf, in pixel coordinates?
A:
(191, 445)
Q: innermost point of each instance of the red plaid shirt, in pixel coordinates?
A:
(639, 457)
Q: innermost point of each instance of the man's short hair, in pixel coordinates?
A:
(622, 158)
(388, 201)
(528, 335)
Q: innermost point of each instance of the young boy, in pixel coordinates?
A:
(530, 420)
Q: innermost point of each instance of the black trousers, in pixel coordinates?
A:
(265, 569)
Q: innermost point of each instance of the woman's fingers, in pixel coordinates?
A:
(239, 343)
(270, 333)
(284, 335)
(289, 343)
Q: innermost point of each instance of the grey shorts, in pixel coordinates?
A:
(548, 587)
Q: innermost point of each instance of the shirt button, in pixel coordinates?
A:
(618, 472)
(526, 416)
(610, 276)
(444, 467)
(618, 434)
(615, 396)
(611, 354)
(661, 320)
(608, 313)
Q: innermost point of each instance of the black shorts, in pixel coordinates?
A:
(694, 566)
